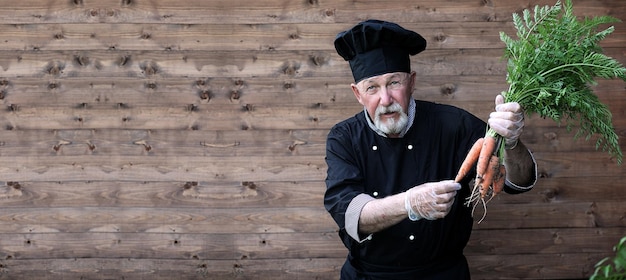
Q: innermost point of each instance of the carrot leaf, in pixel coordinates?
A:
(552, 66)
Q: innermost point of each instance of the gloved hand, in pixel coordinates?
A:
(430, 200)
(508, 121)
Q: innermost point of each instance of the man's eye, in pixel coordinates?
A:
(395, 85)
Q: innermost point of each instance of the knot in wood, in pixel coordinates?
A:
(111, 12)
(234, 95)
(151, 86)
(123, 60)
(239, 83)
(288, 85)
(14, 185)
(490, 18)
(81, 60)
(189, 185)
(54, 68)
(557, 239)
(291, 68)
(249, 185)
(192, 107)
(487, 3)
(144, 143)
(248, 107)
(318, 60)
(149, 68)
(448, 88)
(440, 37)
(205, 94)
(550, 194)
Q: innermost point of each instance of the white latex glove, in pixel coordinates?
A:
(508, 121)
(430, 200)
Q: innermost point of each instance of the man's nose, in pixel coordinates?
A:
(385, 97)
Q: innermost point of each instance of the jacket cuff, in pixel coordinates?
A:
(352, 216)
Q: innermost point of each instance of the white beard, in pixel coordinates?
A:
(391, 126)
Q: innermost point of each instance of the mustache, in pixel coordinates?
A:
(393, 108)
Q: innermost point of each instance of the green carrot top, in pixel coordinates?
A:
(552, 66)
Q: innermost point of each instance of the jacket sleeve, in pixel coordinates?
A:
(344, 179)
(511, 188)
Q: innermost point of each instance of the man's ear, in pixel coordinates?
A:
(412, 77)
(356, 92)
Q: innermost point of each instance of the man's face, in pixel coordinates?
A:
(386, 98)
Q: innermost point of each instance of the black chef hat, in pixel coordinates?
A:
(376, 47)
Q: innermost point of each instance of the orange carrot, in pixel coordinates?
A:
(487, 170)
(489, 146)
(498, 183)
(490, 173)
(470, 159)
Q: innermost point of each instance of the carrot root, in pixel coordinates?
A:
(489, 176)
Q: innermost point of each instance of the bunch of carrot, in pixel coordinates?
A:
(490, 170)
(550, 69)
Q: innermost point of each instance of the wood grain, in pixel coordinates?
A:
(186, 139)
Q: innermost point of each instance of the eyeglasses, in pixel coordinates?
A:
(396, 82)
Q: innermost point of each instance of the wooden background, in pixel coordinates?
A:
(171, 139)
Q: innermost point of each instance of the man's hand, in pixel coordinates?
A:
(508, 121)
(431, 200)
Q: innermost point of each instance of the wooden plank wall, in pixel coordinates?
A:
(172, 139)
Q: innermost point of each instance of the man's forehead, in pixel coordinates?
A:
(384, 77)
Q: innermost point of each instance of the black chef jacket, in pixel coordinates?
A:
(361, 161)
